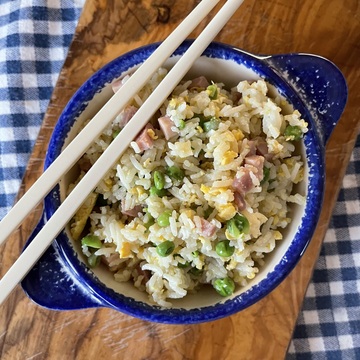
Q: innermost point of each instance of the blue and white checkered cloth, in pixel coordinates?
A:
(34, 39)
(329, 324)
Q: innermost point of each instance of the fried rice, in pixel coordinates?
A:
(203, 193)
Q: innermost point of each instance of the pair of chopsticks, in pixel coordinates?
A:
(94, 128)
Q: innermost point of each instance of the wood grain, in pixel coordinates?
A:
(107, 29)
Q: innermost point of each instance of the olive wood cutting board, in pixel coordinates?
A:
(107, 29)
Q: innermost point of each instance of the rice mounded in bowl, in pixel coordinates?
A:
(201, 196)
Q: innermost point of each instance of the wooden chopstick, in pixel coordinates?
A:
(72, 153)
(79, 194)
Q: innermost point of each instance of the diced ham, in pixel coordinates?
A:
(130, 212)
(199, 82)
(125, 116)
(165, 125)
(118, 83)
(262, 148)
(206, 227)
(239, 201)
(257, 162)
(144, 141)
(252, 147)
(242, 181)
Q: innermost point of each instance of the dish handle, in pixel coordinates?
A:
(320, 85)
(52, 285)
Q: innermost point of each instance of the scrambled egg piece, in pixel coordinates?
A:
(137, 190)
(230, 138)
(125, 250)
(205, 189)
(226, 212)
(172, 103)
(182, 149)
(199, 129)
(239, 135)
(229, 156)
(212, 191)
(152, 134)
(82, 215)
(188, 212)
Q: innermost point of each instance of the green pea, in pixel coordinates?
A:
(213, 124)
(151, 221)
(266, 172)
(157, 192)
(195, 253)
(115, 133)
(93, 260)
(164, 219)
(92, 241)
(238, 225)
(224, 287)
(181, 124)
(212, 91)
(293, 132)
(165, 248)
(159, 179)
(175, 173)
(224, 249)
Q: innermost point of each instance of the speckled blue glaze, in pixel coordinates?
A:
(312, 84)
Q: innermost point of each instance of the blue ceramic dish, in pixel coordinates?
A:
(313, 85)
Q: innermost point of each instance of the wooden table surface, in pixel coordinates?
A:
(107, 29)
